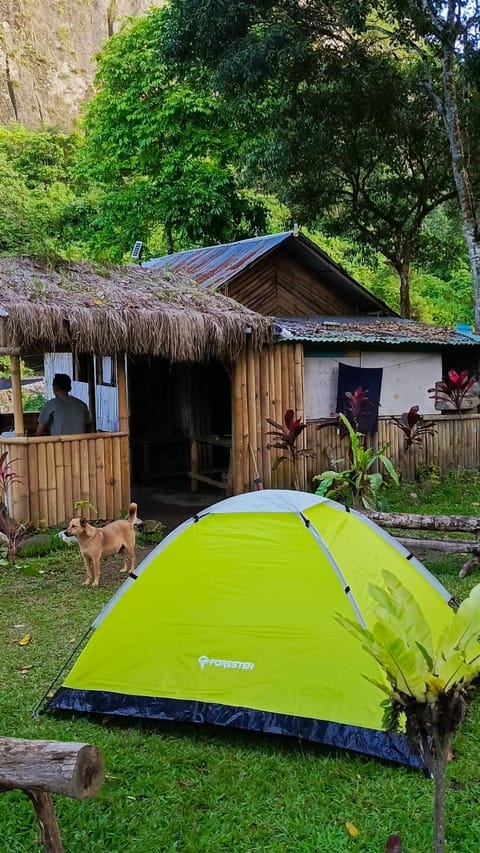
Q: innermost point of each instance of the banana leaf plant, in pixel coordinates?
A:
(428, 684)
(453, 388)
(363, 484)
(286, 439)
(414, 426)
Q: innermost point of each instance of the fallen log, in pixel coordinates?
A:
(445, 523)
(445, 546)
(40, 768)
(409, 521)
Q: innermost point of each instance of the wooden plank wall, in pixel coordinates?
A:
(282, 287)
(267, 384)
(57, 471)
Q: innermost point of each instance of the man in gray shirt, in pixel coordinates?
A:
(64, 415)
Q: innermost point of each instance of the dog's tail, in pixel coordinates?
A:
(132, 514)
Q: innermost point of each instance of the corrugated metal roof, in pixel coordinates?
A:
(378, 330)
(215, 266)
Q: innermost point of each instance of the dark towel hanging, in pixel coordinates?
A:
(370, 380)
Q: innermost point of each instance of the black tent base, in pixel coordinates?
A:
(389, 746)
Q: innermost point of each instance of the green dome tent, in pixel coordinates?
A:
(231, 620)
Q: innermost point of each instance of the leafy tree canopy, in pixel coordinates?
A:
(348, 136)
(161, 149)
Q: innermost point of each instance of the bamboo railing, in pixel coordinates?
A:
(56, 471)
(455, 445)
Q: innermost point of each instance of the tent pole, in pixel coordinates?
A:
(17, 395)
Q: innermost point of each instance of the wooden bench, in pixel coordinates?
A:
(41, 768)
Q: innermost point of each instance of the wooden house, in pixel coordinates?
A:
(178, 344)
(323, 319)
(182, 379)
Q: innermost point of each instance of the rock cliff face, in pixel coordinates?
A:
(47, 55)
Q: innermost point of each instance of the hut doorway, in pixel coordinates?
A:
(172, 408)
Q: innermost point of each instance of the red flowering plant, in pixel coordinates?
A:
(358, 407)
(286, 438)
(413, 426)
(453, 388)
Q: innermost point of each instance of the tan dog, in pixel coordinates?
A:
(97, 542)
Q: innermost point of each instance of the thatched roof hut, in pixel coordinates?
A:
(110, 310)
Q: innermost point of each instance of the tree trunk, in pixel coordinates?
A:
(169, 238)
(461, 177)
(439, 769)
(404, 272)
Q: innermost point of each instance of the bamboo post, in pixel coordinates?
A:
(251, 411)
(193, 464)
(274, 412)
(122, 394)
(92, 400)
(283, 472)
(237, 427)
(247, 479)
(17, 395)
(258, 410)
(125, 472)
(264, 414)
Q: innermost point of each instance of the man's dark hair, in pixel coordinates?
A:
(62, 382)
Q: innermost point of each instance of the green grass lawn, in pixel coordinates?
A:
(197, 789)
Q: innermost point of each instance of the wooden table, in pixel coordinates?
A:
(195, 474)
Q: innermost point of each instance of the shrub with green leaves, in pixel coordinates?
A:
(428, 683)
(357, 479)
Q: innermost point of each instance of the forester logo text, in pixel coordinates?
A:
(224, 664)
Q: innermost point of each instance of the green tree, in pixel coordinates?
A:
(361, 152)
(41, 157)
(347, 136)
(35, 188)
(445, 36)
(160, 150)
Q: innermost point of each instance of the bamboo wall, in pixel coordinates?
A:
(57, 471)
(265, 385)
(456, 444)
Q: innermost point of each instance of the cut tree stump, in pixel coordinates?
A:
(41, 768)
